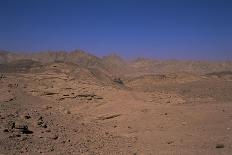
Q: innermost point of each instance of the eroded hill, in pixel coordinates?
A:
(76, 103)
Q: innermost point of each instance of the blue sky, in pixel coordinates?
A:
(166, 29)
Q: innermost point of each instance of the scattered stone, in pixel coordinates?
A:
(106, 133)
(184, 123)
(27, 117)
(11, 99)
(67, 112)
(40, 136)
(144, 110)
(89, 98)
(49, 93)
(170, 142)
(61, 99)
(14, 135)
(40, 121)
(12, 85)
(86, 95)
(218, 146)
(48, 130)
(5, 130)
(11, 125)
(23, 128)
(2, 76)
(98, 97)
(24, 138)
(118, 81)
(44, 125)
(54, 137)
(109, 117)
(48, 107)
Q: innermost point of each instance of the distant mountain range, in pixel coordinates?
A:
(114, 64)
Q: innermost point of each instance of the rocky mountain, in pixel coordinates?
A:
(117, 66)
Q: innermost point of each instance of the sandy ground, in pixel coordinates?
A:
(59, 113)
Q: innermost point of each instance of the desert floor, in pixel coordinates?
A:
(58, 112)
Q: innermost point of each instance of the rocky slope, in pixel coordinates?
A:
(55, 106)
(116, 65)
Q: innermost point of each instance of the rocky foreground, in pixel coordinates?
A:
(66, 108)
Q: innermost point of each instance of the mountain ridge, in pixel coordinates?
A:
(117, 65)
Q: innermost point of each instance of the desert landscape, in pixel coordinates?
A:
(78, 103)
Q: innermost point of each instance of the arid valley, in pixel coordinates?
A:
(77, 103)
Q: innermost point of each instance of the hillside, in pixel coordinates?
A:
(77, 103)
(117, 66)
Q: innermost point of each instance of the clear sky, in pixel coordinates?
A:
(181, 29)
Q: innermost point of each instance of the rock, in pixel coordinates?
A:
(89, 98)
(11, 99)
(40, 136)
(5, 130)
(184, 123)
(44, 125)
(2, 76)
(54, 137)
(48, 130)
(40, 118)
(219, 146)
(118, 81)
(108, 116)
(23, 128)
(10, 125)
(27, 117)
(170, 142)
(49, 93)
(24, 138)
(14, 135)
(67, 112)
(98, 97)
(41, 122)
(48, 107)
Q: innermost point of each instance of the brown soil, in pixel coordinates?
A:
(66, 109)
